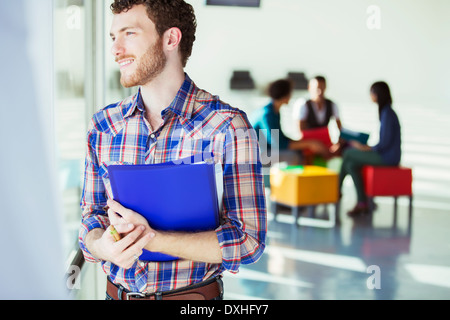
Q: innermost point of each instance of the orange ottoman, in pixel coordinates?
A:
(304, 186)
(388, 182)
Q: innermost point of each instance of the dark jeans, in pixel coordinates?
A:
(352, 162)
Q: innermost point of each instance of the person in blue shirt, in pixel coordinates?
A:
(386, 153)
(267, 124)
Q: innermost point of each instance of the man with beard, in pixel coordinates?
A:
(170, 118)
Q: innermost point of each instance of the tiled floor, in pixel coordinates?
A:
(364, 258)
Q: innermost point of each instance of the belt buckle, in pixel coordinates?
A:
(137, 295)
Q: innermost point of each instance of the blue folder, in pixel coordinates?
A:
(350, 135)
(173, 196)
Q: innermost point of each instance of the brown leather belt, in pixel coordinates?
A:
(206, 290)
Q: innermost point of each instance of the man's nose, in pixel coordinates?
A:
(117, 48)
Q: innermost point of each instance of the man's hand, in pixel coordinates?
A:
(134, 231)
(122, 253)
(201, 246)
(121, 217)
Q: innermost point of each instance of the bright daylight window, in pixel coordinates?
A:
(86, 79)
(70, 109)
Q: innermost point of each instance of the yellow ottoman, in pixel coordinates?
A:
(304, 186)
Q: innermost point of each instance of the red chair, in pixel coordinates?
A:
(388, 182)
(321, 134)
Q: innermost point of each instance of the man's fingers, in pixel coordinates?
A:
(119, 209)
(133, 251)
(114, 218)
(124, 227)
(142, 242)
(126, 215)
(136, 249)
(128, 240)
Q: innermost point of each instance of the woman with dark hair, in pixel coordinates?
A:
(386, 153)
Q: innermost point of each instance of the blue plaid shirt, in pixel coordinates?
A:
(195, 122)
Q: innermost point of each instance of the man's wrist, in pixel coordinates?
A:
(202, 246)
(92, 239)
(155, 244)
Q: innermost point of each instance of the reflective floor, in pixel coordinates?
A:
(368, 257)
(364, 258)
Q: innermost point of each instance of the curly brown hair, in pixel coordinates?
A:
(167, 14)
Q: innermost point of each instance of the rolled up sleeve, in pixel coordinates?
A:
(95, 221)
(93, 199)
(242, 235)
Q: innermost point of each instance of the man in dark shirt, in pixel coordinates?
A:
(318, 110)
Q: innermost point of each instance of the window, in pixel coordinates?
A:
(70, 109)
(114, 91)
(86, 79)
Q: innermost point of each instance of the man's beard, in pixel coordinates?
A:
(151, 64)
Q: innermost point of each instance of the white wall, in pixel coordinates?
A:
(410, 51)
(31, 263)
(329, 37)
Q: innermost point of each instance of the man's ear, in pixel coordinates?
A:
(172, 38)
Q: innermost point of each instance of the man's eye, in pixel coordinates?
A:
(130, 33)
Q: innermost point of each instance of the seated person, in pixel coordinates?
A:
(268, 122)
(386, 153)
(318, 110)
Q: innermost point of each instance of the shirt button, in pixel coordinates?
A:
(152, 136)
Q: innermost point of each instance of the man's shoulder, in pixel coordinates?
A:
(213, 105)
(106, 118)
(214, 102)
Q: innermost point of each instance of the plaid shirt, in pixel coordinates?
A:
(195, 122)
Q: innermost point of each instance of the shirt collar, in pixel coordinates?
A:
(182, 105)
(136, 103)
